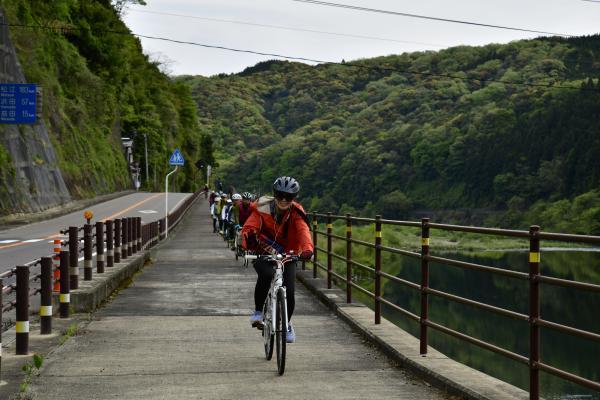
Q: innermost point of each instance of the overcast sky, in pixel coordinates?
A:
(358, 34)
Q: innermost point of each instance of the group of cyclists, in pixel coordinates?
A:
(271, 223)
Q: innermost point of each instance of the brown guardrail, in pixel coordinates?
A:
(535, 278)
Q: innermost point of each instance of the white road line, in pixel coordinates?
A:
(32, 240)
(8, 241)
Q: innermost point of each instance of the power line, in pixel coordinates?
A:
(346, 64)
(288, 28)
(375, 10)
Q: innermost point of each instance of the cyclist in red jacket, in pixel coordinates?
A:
(282, 223)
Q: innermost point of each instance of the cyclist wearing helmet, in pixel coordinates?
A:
(281, 221)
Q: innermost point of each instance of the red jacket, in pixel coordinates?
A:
(292, 232)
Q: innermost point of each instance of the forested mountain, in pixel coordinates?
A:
(438, 131)
(98, 86)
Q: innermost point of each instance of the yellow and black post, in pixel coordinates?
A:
(348, 258)
(329, 250)
(22, 323)
(534, 312)
(424, 284)
(64, 297)
(378, 269)
(46, 296)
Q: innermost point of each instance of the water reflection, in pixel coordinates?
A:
(572, 307)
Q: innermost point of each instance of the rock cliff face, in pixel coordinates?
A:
(34, 181)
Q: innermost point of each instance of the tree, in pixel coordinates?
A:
(119, 5)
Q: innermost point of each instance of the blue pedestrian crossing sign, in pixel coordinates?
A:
(176, 158)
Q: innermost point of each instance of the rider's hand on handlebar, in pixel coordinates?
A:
(306, 255)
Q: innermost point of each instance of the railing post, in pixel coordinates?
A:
(133, 236)
(22, 328)
(117, 240)
(1, 325)
(124, 232)
(348, 258)
(129, 236)
(377, 269)
(46, 296)
(110, 243)
(329, 249)
(87, 252)
(100, 247)
(139, 231)
(74, 261)
(64, 297)
(424, 284)
(315, 229)
(534, 312)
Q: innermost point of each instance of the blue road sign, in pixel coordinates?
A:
(18, 103)
(176, 158)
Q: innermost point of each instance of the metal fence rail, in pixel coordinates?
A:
(534, 277)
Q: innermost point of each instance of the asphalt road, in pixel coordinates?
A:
(29, 242)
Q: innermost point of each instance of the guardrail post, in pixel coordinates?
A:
(329, 249)
(110, 254)
(139, 233)
(129, 236)
(424, 284)
(74, 261)
(315, 229)
(534, 312)
(64, 297)
(124, 232)
(22, 328)
(377, 269)
(1, 308)
(134, 235)
(117, 240)
(348, 258)
(100, 247)
(46, 296)
(87, 252)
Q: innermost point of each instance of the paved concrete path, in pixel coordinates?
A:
(181, 331)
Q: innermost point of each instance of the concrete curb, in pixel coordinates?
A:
(436, 368)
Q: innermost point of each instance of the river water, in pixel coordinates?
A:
(567, 306)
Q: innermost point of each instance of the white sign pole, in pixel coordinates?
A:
(167, 202)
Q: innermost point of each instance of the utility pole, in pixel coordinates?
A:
(146, 154)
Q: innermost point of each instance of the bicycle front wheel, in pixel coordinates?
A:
(281, 330)
(268, 334)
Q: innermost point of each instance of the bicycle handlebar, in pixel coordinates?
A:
(270, 257)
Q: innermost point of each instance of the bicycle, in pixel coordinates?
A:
(275, 322)
(237, 245)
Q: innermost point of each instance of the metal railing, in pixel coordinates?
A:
(121, 238)
(534, 277)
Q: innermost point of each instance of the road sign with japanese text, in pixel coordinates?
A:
(18, 103)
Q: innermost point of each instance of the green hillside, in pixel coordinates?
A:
(450, 141)
(97, 87)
